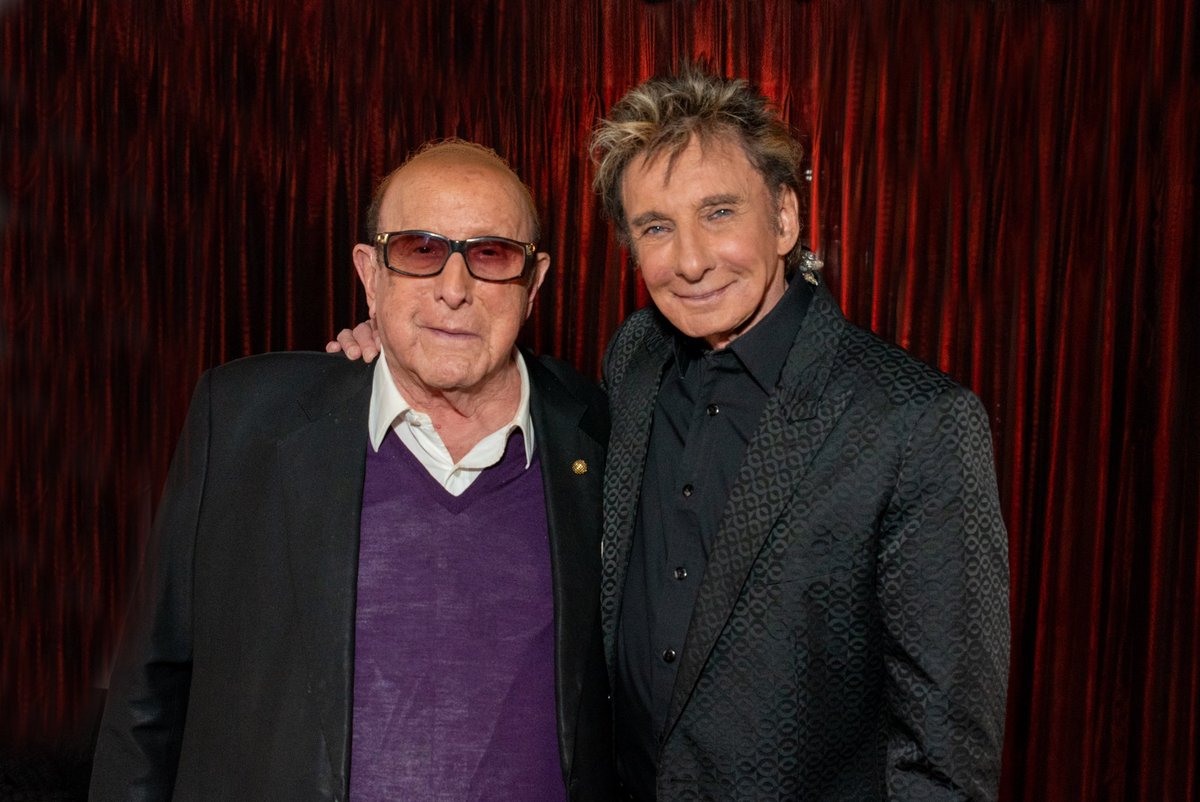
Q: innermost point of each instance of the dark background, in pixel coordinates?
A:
(1006, 189)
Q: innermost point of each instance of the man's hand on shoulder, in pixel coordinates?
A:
(361, 342)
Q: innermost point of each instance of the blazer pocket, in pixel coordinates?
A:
(802, 578)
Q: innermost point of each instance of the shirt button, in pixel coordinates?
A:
(687, 491)
(681, 573)
(712, 409)
(668, 655)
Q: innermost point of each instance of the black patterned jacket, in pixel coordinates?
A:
(850, 638)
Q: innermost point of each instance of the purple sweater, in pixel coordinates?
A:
(454, 639)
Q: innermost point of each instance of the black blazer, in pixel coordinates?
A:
(236, 683)
(850, 637)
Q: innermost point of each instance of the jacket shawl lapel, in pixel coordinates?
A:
(323, 463)
(632, 399)
(797, 419)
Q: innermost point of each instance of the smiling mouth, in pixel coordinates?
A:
(454, 334)
(702, 297)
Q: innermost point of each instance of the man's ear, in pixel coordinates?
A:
(541, 266)
(787, 222)
(368, 272)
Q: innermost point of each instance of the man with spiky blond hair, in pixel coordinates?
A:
(805, 570)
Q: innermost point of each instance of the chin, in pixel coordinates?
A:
(705, 327)
(452, 379)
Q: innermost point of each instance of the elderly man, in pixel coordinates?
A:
(805, 570)
(805, 590)
(382, 583)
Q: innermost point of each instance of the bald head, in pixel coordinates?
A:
(451, 334)
(449, 153)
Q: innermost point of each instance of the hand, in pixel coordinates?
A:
(361, 342)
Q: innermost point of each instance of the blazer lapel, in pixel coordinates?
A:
(798, 417)
(572, 492)
(635, 395)
(323, 464)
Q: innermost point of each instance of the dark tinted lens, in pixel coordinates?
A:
(495, 259)
(419, 254)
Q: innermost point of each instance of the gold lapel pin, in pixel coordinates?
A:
(579, 467)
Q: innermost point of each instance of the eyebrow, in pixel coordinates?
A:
(645, 217)
(725, 199)
(720, 200)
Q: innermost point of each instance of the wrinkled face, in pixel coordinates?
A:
(449, 332)
(709, 238)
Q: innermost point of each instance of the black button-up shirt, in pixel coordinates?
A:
(708, 408)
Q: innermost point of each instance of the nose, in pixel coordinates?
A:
(692, 257)
(454, 284)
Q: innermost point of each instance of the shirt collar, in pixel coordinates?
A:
(388, 407)
(763, 349)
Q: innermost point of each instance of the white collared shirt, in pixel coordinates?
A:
(389, 410)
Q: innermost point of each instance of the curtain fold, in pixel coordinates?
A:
(1006, 189)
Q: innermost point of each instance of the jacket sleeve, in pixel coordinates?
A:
(943, 593)
(138, 745)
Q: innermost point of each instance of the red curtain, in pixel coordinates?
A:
(1006, 189)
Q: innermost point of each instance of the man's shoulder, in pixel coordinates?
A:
(575, 382)
(556, 383)
(279, 364)
(888, 372)
(265, 380)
